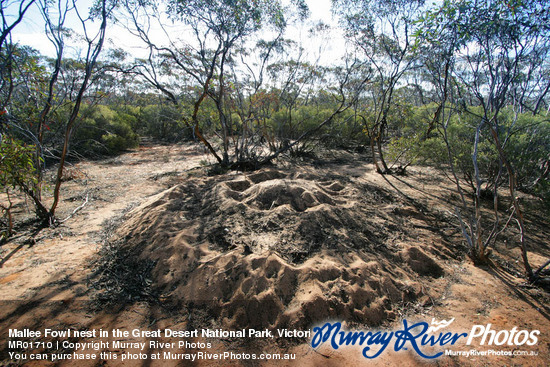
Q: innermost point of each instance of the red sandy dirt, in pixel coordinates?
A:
(161, 244)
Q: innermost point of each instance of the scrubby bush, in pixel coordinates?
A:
(289, 126)
(347, 130)
(162, 122)
(529, 149)
(525, 139)
(17, 172)
(104, 131)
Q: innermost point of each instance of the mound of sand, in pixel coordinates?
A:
(272, 249)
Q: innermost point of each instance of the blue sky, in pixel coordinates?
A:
(31, 32)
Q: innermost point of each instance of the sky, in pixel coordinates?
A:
(324, 50)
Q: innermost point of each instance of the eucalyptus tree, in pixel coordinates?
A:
(20, 75)
(44, 86)
(295, 81)
(346, 82)
(494, 55)
(205, 52)
(381, 32)
(30, 91)
(8, 24)
(91, 41)
(10, 19)
(252, 100)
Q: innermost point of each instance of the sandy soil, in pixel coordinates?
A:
(162, 244)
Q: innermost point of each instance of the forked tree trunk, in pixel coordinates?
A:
(515, 203)
(91, 60)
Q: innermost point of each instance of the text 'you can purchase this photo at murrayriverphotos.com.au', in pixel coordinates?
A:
(274, 183)
(426, 340)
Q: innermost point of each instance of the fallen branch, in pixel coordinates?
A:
(76, 210)
(537, 272)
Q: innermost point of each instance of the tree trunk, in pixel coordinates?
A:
(515, 203)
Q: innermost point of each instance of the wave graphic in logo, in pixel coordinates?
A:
(439, 325)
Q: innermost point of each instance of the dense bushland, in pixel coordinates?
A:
(458, 85)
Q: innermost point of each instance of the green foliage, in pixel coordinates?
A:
(17, 172)
(23, 80)
(236, 18)
(503, 21)
(16, 164)
(346, 131)
(409, 142)
(529, 150)
(460, 135)
(290, 124)
(104, 131)
(527, 145)
(162, 122)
